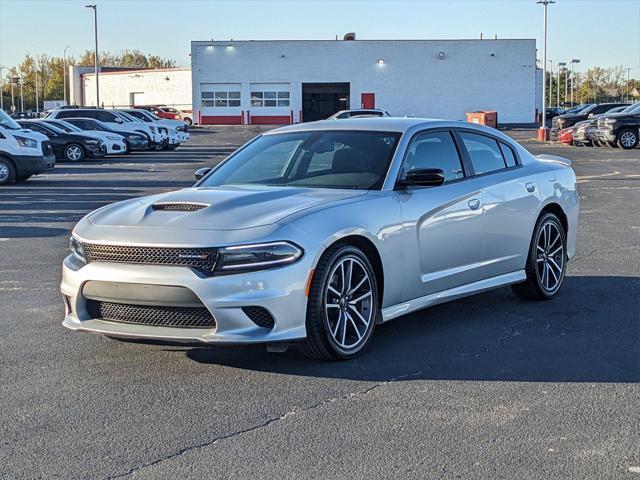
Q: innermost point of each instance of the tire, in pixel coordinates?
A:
(23, 178)
(127, 148)
(337, 326)
(627, 138)
(7, 171)
(74, 152)
(540, 285)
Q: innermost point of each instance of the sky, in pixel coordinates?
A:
(598, 32)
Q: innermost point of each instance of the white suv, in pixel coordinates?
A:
(177, 128)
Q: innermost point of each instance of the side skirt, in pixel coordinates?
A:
(395, 311)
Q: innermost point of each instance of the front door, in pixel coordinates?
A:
(445, 222)
(368, 100)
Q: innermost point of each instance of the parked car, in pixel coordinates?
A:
(584, 131)
(554, 112)
(113, 120)
(114, 142)
(176, 129)
(620, 129)
(566, 136)
(23, 153)
(313, 234)
(160, 112)
(132, 140)
(570, 119)
(73, 147)
(359, 112)
(185, 116)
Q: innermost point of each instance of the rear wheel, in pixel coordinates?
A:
(547, 261)
(74, 152)
(7, 171)
(627, 138)
(343, 305)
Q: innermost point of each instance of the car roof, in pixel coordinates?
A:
(385, 124)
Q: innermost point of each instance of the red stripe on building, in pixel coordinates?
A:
(270, 119)
(221, 120)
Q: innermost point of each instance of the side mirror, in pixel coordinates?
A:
(118, 120)
(201, 173)
(423, 177)
(590, 115)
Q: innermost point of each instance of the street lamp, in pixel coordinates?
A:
(95, 58)
(573, 60)
(550, 80)
(628, 69)
(64, 73)
(560, 65)
(21, 80)
(543, 132)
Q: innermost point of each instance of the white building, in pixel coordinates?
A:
(289, 81)
(126, 88)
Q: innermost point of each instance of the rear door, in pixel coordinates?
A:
(444, 250)
(510, 200)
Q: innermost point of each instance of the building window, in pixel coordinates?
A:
(220, 99)
(269, 99)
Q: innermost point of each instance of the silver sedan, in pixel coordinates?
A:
(313, 234)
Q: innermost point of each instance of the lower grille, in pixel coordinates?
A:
(157, 316)
(260, 316)
(199, 258)
(46, 149)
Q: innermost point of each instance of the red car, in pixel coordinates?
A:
(566, 136)
(161, 112)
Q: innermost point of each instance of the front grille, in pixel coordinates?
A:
(260, 316)
(156, 316)
(179, 207)
(203, 259)
(46, 149)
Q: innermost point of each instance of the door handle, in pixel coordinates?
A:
(474, 204)
(531, 187)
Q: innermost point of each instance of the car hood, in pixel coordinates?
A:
(216, 208)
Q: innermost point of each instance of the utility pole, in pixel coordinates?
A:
(543, 133)
(628, 69)
(95, 34)
(64, 73)
(550, 81)
(2, 67)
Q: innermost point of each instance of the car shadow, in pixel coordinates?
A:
(589, 333)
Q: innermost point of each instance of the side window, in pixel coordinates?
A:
(103, 116)
(88, 113)
(484, 153)
(601, 109)
(64, 114)
(509, 156)
(435, 150)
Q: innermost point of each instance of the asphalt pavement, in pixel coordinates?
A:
(486, 387)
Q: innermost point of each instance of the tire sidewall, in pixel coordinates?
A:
(12, 171)
(66, 149)
(533, 254)
(622, 132)
(316, 308)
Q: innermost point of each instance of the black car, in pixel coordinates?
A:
(553, 112)
(584, 131)
(67, 146)
(620, 129)
(134, 141)
(571, 118)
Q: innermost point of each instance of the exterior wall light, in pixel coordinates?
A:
(381, 61)
(441, 55)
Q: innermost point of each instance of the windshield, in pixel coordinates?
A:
(7, 122)
(67, 127)
(127, 117)
(632, 108)
(315, 159)
(151, 117)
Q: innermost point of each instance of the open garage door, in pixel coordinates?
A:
(321, 100)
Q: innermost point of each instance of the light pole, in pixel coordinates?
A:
(550, 81)
(560, 65)
(573, 61)
(35, 75)
(21, 92)
(543, 133)
(95, 34)
(628, 69)
(2, 67)
(64, 73)
(14, 79)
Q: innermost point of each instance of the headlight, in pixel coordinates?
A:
(77, 249)
(113, 137)
(91, 142)
(561, 121)
(26, 142)
(610, 121)
(258, 256)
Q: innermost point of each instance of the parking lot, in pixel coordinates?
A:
(486, 387)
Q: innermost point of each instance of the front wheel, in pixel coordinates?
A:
(547, 261)
(627, 138)
(7, 171)
(74, 152)
(343, 305)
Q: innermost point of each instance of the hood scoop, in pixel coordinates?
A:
(179, 206)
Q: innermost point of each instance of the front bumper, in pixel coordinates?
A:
(96, 151)
(280, 291)
(115, 147)
(33, 164)
(605, 134)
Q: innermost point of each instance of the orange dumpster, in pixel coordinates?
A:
(484, 117)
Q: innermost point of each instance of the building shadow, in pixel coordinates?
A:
(589, 333)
